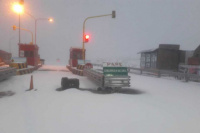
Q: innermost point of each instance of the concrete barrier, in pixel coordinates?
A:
(80, 67)
(24, 71)
(75, 71)
(6, 72)
(18, 65)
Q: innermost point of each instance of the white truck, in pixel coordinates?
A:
(111, 77)
(6, 72)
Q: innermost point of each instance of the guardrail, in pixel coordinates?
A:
(99, 65)
(107, 81)
(96, 76)
(117, 81)
(6, 72)
(159, 73)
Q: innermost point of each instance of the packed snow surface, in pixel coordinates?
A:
(150, 105)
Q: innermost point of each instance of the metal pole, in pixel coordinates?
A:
(83, 48)
(36, 25)
(28, 31)
(19, 28)
(35, 30)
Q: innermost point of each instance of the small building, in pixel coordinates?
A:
(76, 54)
(166, 57)
(30, 52)
(195, 58)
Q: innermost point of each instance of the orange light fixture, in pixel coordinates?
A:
(18, 8)
(50, 20)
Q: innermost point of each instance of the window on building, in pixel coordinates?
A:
(147, 64)
(148, 60)
(142, 60)
(148, 57)
(153, 60)
(28, 54)
(31, 54)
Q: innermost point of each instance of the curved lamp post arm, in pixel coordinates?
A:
(30, 15)
(15, 27)
(36, 19)
(49, 19)
(90, 18)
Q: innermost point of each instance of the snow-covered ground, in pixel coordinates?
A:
(151, 105)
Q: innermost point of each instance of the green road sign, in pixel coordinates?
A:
(115, 71)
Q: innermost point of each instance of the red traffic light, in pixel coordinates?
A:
(86, 38)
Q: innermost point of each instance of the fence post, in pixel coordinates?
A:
(159, 75)
(186, 78)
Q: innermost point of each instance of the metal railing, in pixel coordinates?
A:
(107, 81)
(159, 73)
(117, 81)
(6, 72)
(96, 76)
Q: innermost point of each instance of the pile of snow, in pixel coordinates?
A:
(151, 105)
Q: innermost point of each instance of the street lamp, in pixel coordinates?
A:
(36, 20)
(18, 8)
(15, 27)
(113, 14)
(50, 20)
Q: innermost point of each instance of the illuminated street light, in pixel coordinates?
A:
(36, 19)
(50, 20)
(18, 8)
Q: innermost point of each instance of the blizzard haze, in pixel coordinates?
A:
(139, 25)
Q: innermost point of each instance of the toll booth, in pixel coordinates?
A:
(30, 52)
(75, 55)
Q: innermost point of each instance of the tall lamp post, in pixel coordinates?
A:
(113, 14)
(36, 20)
(18, 8)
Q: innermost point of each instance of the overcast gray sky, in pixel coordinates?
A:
(139, 25)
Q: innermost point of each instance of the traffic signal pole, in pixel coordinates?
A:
(83, 48)
(15, 27)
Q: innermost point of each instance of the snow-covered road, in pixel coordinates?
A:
(151, 105)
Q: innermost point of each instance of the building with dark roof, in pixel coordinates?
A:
(168, 57)
(165, 57)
